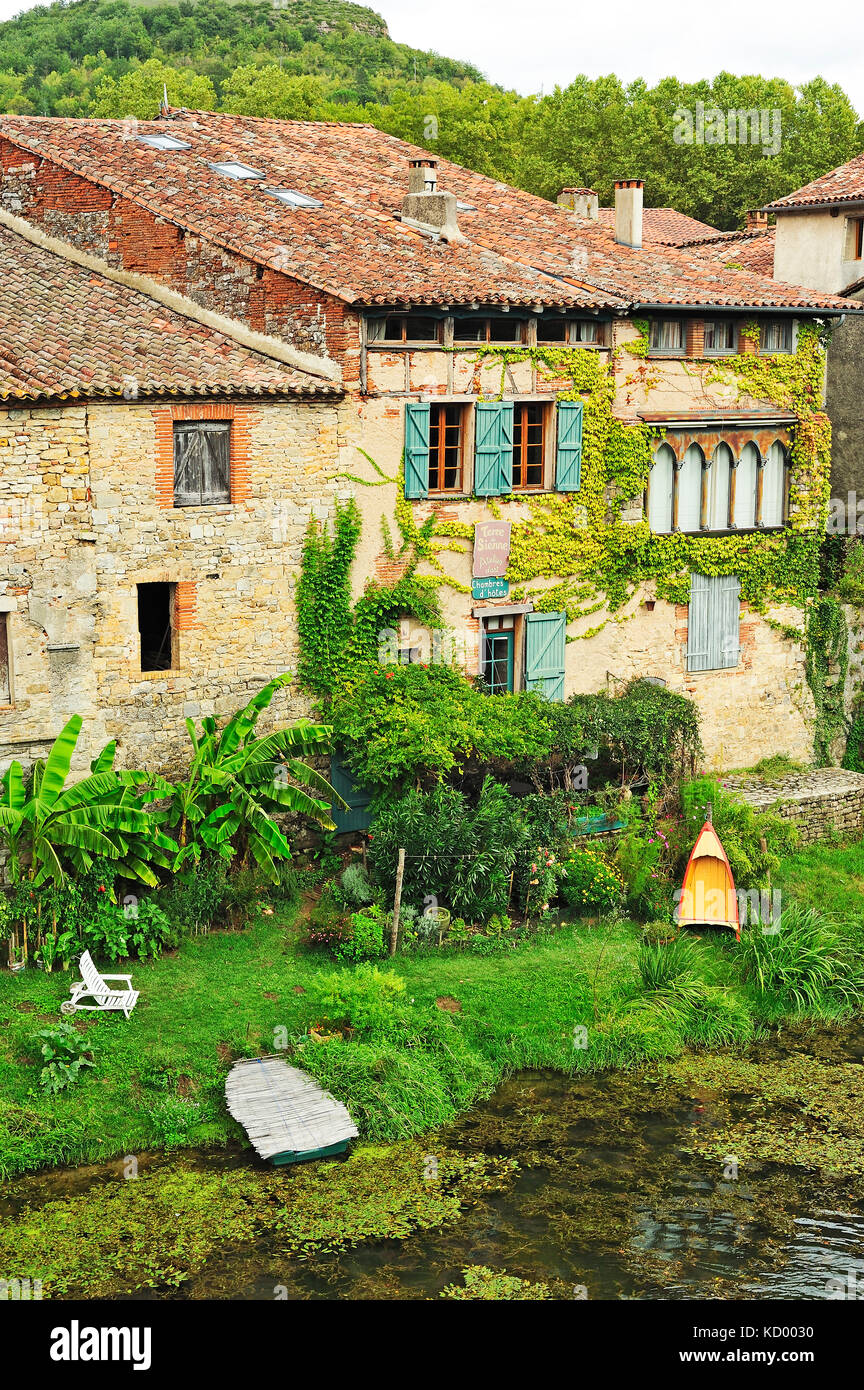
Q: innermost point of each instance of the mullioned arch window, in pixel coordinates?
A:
(695, 491)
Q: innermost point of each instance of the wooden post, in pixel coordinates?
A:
(397, 902)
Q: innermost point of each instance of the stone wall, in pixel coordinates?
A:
(818, 802)
(83, 524)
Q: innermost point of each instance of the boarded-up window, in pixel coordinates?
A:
(746, 475)
(713, 642)
(690, 490)
(202, 462)
(5, 685)
(660, 486)
(719, 475)
(774, 487)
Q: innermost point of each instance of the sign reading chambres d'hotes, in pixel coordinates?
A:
(491, 549)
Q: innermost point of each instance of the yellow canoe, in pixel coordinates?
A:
(708, 897)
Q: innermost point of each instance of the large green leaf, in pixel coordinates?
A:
(59, 761)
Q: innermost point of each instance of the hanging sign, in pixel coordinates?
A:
(491, 549)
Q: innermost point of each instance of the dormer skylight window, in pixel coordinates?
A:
(292, 199)
(163, 142)
(235, 170)
(465, 207)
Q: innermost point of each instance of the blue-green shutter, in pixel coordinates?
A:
(568, 465)
(417, 449)
(357, 816)
(713, 632)
(545, 640)
(493, 448)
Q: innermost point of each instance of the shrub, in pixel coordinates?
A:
(742, 831)
(589, 884)
(194, 902)
(356, 886)
(365, 937)
(151, 930)
(65, 1053)
(460, 854)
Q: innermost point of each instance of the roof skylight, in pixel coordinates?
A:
(235, 170)
(293, 199)
(163, 142)
(465, 207)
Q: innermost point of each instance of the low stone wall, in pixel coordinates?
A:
(826, 799)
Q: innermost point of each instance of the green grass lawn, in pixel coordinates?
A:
(159, 1078)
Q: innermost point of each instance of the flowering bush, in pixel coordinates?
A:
(590, 884)
(545, 870)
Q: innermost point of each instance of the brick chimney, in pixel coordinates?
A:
(583, 202)
(757, 221)
(424, 207)
(628, 212)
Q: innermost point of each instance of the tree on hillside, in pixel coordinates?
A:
(139, 91)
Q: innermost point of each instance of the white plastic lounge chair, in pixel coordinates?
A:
(94, 985)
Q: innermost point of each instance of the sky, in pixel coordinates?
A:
(534, 44)
(537, 44)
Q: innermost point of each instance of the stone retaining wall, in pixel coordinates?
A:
(817, 802)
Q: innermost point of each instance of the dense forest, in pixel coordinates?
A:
(327, 59)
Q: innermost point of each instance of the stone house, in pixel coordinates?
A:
(485, 339)
(126, 595)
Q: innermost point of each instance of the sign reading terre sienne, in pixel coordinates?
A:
(491, 549)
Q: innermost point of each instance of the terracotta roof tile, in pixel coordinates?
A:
(521, 250)
(753, 250)
(665, 226)
(842, 185)
(67, 331)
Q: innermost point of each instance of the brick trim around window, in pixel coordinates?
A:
(164, 418)
(185, 605)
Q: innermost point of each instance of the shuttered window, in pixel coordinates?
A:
(202, 462)
(545, 641)
(417, 425)
(568, 465)
(713, 642)
(493, 448)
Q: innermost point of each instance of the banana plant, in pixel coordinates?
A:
(49, 827)
(237, 782)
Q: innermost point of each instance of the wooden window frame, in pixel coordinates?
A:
(680, 350)
(778, 352)
(545, 415)
(722, 352)
(220, 428)
(568, 340)
(463, 409)
(394, 344)
(487, 319)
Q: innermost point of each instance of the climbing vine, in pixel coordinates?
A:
(827, 661)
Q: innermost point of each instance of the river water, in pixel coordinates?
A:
(614, 1198)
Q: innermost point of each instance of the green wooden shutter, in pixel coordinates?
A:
(568, 466)
(545, 639)
(417, 449)
(357, 816)
(493, 448)
(713, 633)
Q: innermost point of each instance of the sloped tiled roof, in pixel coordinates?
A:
(67, 331)
(665, 226)
(753, 250)
(842, 185)
(521, 250)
